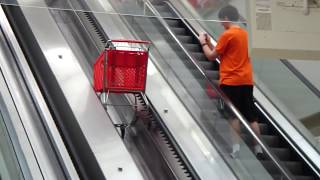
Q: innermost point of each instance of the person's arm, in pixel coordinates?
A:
(207, 47)
(211, 54)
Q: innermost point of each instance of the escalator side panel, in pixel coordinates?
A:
(49, 86)
(92, 140)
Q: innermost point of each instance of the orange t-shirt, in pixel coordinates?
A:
(235, 65)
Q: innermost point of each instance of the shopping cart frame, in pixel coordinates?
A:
(140, 46)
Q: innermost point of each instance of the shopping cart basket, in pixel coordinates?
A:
(121, 68)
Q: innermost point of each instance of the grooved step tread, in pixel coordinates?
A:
(284, 154)
(199, 56)
(173, 22)
(178, 30)
(186, 38)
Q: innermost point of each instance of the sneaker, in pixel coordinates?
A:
(260, 156)
(235, 155)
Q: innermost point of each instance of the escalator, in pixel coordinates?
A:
(276, 142)
(291, 161)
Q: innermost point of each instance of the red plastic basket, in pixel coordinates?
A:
(126, 71)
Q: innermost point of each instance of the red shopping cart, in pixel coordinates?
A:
(121, 68)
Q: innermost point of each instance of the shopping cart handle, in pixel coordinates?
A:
(131, 41)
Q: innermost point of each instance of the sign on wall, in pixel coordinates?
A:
(285, 29)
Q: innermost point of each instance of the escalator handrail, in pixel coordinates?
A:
(275, 160)
(301, 77)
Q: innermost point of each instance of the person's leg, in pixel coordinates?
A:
(235, 124)
(255, 127)
(232, 93)
(250, 114)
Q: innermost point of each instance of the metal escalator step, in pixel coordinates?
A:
(295, 167)
(191, 73)
(212, 74)
(167, 15)
(161, 8)
(193, 47)
(270, 140)
(278, 177)
(270, 167)
(196, 73)
(153, 31)
(206, 65)
(284, 154)
(186, 39)
(199, 56)
(264, 129)
(189, 64)
(179, 31)
(158, 2)
(216, 82)
(173, 22)
(304, 178)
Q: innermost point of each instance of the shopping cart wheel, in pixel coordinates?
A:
(122, 129)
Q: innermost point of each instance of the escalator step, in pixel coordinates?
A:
(189, 64)
(270, 167)
(284, 154)
(173, 22)
(161, 8)
(186, 39)
(214, 75)
(295, 167)
(271, 141)
(278, 177)
(167, 15)
(193, 47)
(199, 56)
(207, 65)
(304, 178)
(158, 2)
(264, 129)
(179, 31)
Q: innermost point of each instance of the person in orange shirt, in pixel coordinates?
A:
(236, 74)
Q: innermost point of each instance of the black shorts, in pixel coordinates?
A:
(242, 99)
